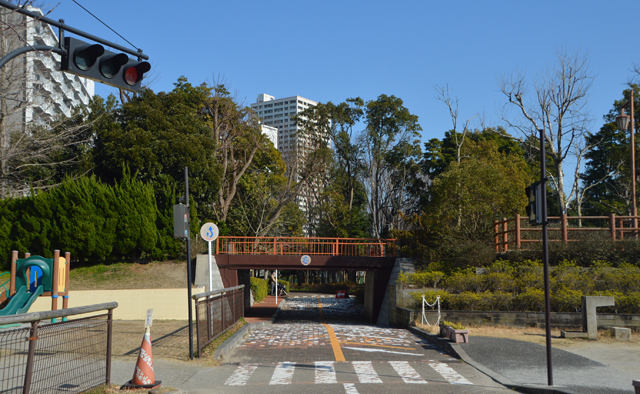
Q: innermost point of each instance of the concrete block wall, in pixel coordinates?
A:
(390, 301)
(167, 304)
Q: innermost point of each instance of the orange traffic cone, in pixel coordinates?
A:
(143, 375)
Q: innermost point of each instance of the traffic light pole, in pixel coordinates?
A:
(60, 25)
(186, 188)
(545, 253)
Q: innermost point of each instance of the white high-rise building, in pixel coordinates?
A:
(292, 144)
(33, 86)
(278, 113)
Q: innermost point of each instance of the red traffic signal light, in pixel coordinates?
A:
(133, 74)
(114, 69)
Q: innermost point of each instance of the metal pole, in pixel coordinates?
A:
(545, 252)
(210, 269)
(633, 165)
(276, 287)
(109, 345)
(186, 188)
(33, 339)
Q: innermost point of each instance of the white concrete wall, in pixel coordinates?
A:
(167, 304)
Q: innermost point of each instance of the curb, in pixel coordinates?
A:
(457, 351)
(233, 341)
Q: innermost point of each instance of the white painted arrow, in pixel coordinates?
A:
(381, 351)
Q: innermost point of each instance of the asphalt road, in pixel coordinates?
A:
(526, 363)
(323, 345)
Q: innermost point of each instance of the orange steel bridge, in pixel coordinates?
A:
(235, 256)
(364, 247)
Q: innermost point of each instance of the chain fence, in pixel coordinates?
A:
(217, 311)
(70, 356)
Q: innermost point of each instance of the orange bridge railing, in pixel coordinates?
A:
(364, 247)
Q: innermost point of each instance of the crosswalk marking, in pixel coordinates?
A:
(350, 388)
(406, 372)
(283, 373)
(365, 372)
(448, 373)
(325, 372)
(241, 375)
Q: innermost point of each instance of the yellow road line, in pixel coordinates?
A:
(335, 345)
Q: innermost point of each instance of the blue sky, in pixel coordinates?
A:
(332, 50)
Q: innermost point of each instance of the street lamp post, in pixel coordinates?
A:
(623, 121)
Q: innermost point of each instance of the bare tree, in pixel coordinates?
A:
(557, 105)
(35, 127)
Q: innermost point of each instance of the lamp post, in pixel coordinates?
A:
(623, 121)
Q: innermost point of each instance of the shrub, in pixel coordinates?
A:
(260, 288)
(531, 299)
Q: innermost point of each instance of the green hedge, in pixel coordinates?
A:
(509, 286)
(260, 289)
(91, 220)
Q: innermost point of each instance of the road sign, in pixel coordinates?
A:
(209, 232)
(149, 318)
(305, 260)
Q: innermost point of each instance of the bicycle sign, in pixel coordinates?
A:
(305, 260)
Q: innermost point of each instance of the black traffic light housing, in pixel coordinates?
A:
(92, 61)
(534, 207)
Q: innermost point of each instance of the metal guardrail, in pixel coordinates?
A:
(71, 356)
(217, 311)
(366, 247)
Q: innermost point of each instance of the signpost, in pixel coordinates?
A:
(209, 232)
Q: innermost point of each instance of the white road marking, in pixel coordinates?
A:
(380, 351)
(325, 372)
(365, 372)
(241, 375)
(283, 374)
(448, 373)
(406, 372)
(350, 388)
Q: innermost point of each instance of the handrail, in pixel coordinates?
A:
(35, 316)
(216, 291)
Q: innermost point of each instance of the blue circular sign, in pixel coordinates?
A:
(305, 260)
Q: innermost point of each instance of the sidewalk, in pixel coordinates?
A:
(264, 310)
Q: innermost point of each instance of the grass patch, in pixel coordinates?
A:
(211, 348)
(153, 275)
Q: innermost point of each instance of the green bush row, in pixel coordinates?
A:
(260, 288)
(531, 300)
(91, 220)
(509, 277)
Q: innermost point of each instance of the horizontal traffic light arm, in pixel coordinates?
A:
(26, 49)
(60, 25)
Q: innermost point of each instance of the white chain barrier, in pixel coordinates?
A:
(424, 317)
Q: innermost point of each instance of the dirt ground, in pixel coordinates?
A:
(169, 338)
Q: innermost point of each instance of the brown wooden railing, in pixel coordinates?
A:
(510, 232)
(365, 247)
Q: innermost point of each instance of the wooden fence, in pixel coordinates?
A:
(510, 232)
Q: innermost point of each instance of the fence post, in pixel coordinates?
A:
(33, 339)
(12, 283)
(497, 240)
(612, 226)
(109, 344)
(505, 236)
(518, 243)
(563, 226)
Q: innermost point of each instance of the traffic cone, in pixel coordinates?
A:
(143, 375)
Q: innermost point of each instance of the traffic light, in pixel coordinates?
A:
(534, 208)
(92, 61)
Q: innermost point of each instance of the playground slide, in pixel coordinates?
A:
(21, 301)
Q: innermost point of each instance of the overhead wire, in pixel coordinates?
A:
(109, 27)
